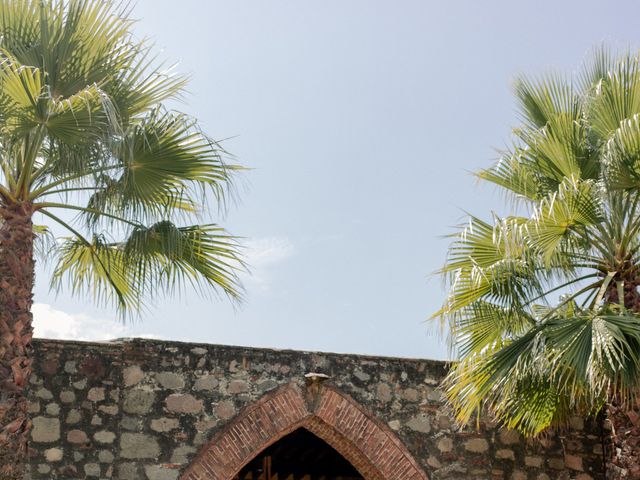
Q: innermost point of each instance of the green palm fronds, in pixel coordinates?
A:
(543, 309)
(87, 141)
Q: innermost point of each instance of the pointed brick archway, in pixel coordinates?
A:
(366, 442)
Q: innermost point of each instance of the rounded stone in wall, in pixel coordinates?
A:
(132, 375)
(420, 423)
(157, 472)
(170, 380)
(183, 403)
(138, 401)
(45, 430)
(138, 445)
(53, 454)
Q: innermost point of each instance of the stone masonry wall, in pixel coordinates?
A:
(143, 409)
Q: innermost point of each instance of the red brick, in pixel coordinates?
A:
(368, 444)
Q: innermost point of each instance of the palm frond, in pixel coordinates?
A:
(574, 206)
(544, 309)
(82, 123)
(483, 325)
(542, 101)
(21, 105)
(167, 164)
(516, 175)
(616, 98)
(622, 160)
(153, 261)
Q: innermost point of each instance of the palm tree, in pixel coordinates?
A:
(88, 148)
(543, 307)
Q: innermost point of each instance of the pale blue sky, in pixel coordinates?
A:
(360, 120)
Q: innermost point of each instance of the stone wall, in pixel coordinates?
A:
(143, 409)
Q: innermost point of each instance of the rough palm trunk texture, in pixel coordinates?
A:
(624, 445)
(623, 449)
(16, 286)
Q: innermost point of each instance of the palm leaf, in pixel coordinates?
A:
(543, 309)
(151, 262)
(83, 129)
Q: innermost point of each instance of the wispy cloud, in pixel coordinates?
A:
(49, 322)
(262, 254)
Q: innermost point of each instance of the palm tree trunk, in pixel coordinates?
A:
(623, 450)
(622, 455)
(16, 287)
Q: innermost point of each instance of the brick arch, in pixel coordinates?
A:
(367, 443)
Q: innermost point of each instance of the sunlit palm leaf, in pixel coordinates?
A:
(166, 162)
(517, 175)
(616, 98)
(151, 262)
(570, 209)
(98, 269)
(21, 105)
(542, 101)
(203, 255)
(85, 140)
(623, 155)
(544, 309)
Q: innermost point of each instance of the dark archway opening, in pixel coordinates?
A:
(299, 456)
